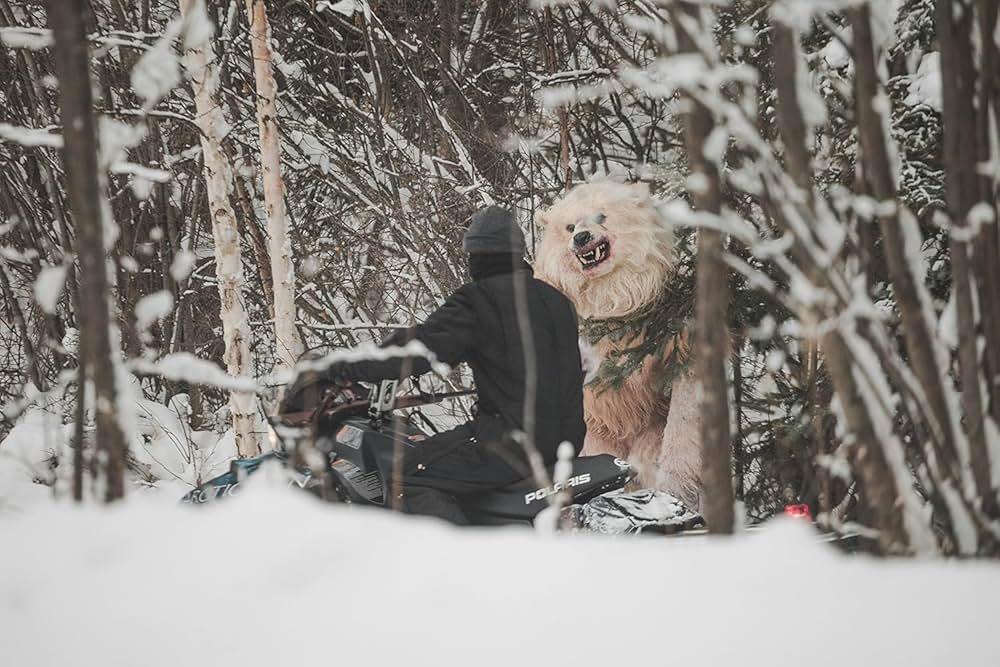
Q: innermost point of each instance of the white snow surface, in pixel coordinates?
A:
(275, 578)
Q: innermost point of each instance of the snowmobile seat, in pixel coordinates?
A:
(523, 500)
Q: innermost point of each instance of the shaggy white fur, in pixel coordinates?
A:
(641, 243)
(609, 249)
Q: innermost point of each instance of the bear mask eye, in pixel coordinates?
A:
(569, 228)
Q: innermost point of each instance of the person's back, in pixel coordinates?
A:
(499, 360)
(481, 324)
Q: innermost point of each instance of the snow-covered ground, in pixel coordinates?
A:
(276, 578)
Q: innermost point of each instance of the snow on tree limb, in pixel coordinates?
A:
(29, 136)
(186, 367)
(33, 39)
(158, 71)
(48, 287)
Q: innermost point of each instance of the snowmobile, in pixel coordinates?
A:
(343, 451)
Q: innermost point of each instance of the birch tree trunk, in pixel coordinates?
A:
(282, 272)
(711, 345)
(228, 262)
(72, 62)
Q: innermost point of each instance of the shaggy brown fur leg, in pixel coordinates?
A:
(595, 444)
(678, 464)
(643, 456)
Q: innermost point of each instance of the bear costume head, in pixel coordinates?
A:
(607, 247)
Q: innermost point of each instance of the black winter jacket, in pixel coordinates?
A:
(478, 325)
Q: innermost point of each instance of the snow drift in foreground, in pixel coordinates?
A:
(276, 578)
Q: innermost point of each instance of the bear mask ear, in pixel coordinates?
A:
(541, 220)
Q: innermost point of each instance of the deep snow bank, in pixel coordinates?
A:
(278, 579)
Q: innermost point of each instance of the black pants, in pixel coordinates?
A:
(450, 464)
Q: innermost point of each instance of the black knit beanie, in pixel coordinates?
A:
(493, 230)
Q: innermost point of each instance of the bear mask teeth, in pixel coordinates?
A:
(595, 256)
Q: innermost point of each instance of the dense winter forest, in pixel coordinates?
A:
(193, 194)
(776, 220)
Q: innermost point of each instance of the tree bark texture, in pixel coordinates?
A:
(711, 344)
(244, 196)
(958, 78)
(921, 345)
(288, 346)
(551, 56)
(72, 62)
(31, 361)
(866, 452)
(228, 260)
(986, 252)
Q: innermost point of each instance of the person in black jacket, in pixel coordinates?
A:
(479, 325)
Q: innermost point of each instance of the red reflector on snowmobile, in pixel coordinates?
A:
(799, 511)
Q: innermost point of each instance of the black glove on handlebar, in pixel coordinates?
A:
(310, 387)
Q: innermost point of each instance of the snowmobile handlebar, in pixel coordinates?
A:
(334, 404)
